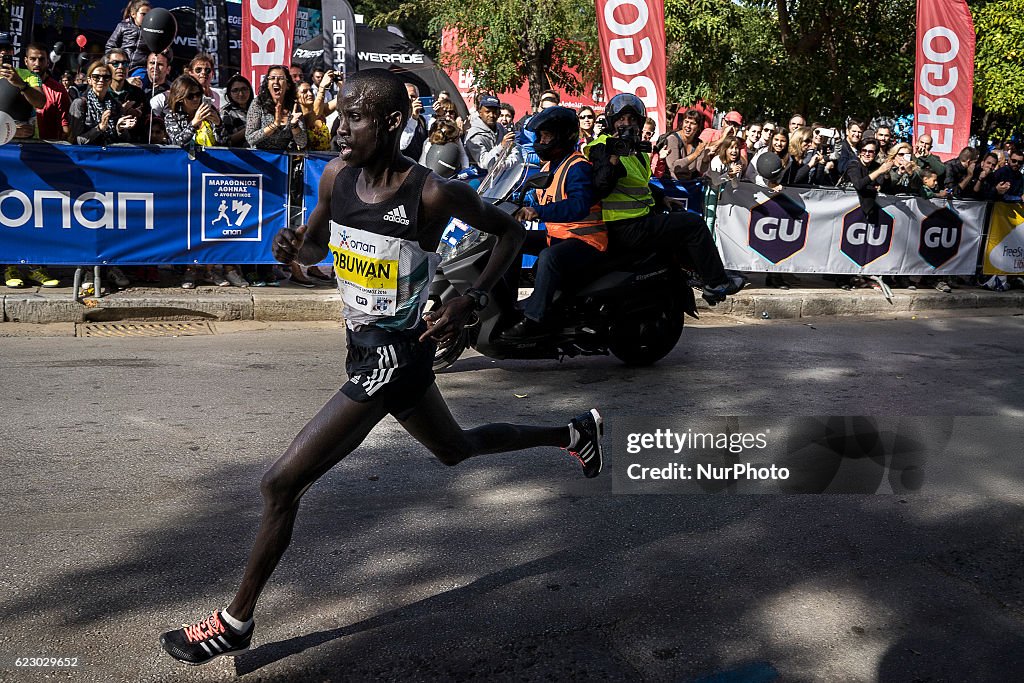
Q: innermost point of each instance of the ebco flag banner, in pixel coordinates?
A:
(268, 27)
(944, 75)
(72, 205)
(826, 231)
(632, 38)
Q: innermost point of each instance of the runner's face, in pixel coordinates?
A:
(360, 133)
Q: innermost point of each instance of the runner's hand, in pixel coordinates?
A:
(287, 243)
(445, 324)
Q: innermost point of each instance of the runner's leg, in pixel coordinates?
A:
(431, 423)
(334, 432)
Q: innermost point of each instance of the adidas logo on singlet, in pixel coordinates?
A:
(397, 215)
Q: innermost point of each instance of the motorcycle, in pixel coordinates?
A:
(634, 313)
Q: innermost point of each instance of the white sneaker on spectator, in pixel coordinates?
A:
(235, 278)
(118, 276)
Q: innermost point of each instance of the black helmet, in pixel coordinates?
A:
(562, 123)
(624, 103)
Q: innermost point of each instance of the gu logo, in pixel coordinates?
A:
(778, 228)
(865, 241)
(941, 232)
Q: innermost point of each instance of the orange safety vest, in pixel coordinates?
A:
(590, 229)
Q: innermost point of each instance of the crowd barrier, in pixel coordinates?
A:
(149, 205)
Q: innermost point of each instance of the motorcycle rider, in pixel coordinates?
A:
(576, 236)
(622, 171)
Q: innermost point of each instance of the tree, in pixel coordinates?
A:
(508, 43)
(999, 67)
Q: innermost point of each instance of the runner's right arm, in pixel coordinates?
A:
(308, 243)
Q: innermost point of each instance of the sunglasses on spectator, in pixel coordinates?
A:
(869, 151)
(1017, 161)
(118, 63)
(202, 70)
(99, 78)
(586, 116)
(193, 96)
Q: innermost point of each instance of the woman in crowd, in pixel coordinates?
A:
(808, 163)
(233, 114)
(587, 119)
(96, 118)
(728, 161)
(127, 34)
(778, 142)
(904, 177)
(315, 111)
(688, 156)
(275, 122)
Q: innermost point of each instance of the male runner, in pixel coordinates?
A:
(381, 215)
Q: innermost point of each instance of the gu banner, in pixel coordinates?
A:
(339, 27)
(212, 36)
(267, 34)
(825, 231)
(65, 205)
(944, 75)
(632, 38)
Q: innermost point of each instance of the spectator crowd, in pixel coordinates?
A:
(129, 95)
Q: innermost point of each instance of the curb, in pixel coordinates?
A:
(290, 303)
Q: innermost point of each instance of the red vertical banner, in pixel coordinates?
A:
(268, 28)
(632, 38)
(944, 75)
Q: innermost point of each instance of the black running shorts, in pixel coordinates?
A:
(394, 367)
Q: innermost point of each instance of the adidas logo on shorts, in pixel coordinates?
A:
(397, 215)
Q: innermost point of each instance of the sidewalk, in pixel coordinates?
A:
(813, 297)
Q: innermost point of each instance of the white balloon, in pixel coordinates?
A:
(7, 128)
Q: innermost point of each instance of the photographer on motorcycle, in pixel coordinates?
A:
(622, 171)
(576, 236)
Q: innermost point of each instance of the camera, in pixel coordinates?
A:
(628, 143)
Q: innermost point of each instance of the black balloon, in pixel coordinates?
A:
(159, 29)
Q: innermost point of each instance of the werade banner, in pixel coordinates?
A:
(944, 75)
(825, 231)
(632, 38)
(70, 205)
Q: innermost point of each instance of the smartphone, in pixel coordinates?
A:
(428, 107)
(907, 157)
(826, 132)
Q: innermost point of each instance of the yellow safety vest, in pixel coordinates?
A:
(631, 197)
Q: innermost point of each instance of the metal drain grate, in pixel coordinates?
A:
(183, 329)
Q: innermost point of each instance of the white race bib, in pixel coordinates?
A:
(367, 268)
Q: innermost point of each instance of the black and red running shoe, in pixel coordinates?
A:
(200, 642)
(589, 430)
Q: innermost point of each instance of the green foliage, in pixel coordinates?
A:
(999, 61)
(824, 58)
(508, 43)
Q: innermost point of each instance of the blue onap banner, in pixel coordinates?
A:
(77, 205)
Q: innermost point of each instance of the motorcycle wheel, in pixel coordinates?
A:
(647, 337)
(446, 357)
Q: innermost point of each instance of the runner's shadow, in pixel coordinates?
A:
(273, 652)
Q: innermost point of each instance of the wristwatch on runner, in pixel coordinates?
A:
(480, 298)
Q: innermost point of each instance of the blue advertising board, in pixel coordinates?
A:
(78, 205)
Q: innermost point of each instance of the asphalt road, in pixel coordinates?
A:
(130, 497)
